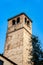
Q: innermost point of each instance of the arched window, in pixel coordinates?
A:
(18, 19)
(25, 20)
(28, 23)
(13, 22)
(1, 62)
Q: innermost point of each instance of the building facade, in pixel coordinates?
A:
(18, 47)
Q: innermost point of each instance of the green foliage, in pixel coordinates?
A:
(36, 51)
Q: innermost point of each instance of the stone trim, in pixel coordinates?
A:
(8, 59)
(19, 29)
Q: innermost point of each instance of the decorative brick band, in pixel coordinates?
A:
(19, 29)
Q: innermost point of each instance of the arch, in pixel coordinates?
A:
(25, 19)
(28, 23)
(18, 19)
(13, 22)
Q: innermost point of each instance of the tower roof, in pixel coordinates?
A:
(19, 15)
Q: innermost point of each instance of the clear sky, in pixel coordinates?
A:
(9, 8)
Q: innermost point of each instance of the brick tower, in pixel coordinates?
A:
(18, 46)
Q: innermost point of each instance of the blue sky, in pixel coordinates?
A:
(9, 8)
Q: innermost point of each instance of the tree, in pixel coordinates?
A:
(36, 51)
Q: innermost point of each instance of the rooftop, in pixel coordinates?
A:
(19, 15)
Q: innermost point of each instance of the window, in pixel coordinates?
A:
(28, 23)
(13, 22)
(25, 20)
(1, 62)
(18, 20)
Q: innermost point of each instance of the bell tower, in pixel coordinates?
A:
(18, 46)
